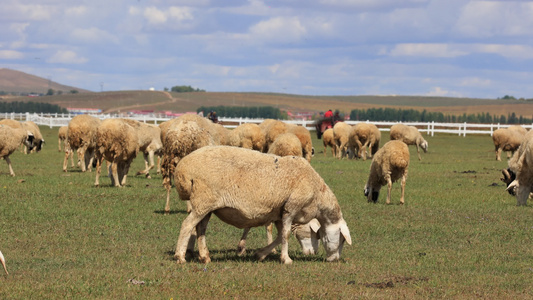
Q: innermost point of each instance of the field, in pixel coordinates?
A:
(459, 235)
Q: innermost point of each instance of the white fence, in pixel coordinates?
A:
(430, 128)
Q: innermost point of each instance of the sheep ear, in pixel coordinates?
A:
(315, 225)
(346, 233)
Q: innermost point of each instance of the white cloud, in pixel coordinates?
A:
(11, 54)
(154, 15)
(279, 29)
(66, 57)
(440, 92)
(76, 11)
(426, 50)
(92, 35)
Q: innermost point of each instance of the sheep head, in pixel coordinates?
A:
(28, 141)
(372, 193)
(424, 145)
(333, 238)
(508, 177)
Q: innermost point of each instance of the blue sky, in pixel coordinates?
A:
(457, 48)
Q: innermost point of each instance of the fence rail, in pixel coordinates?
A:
(430, 128)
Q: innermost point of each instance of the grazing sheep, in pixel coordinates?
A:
(272, 129)
(3, 261)
(390, 163)
(222, 133)
(409, 135)
(304, 136)
(117, 143)
(38, 140)
(341, 135)
(329, 140)
(519, 175)
(247, 135)
(518, 128)
(81, 138)
(257, 189)
(362, 136)
(507, 140)
(180, 139)
(149, 140)
(286, 144)
(10, 140)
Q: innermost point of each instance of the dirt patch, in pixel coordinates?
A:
(395, 281)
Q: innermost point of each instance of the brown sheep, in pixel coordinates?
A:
(247, 135)
(390, 163)
(507, 140)
(409, 135)
(329, 140)
(82, 138)
(362, 136)
(10, 140)
(117, 143)
(341, 134)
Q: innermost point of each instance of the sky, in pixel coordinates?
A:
(452, 48)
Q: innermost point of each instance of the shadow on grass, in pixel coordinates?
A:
(231, 255)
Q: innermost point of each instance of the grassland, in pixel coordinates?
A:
(459, 236)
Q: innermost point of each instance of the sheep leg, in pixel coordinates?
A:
(114, 173)
(200, 235)
(241, 247)
(418, 152)
(269, 235)
(404, 179)
(8, 161)
(286, 233)
(99, 162)
(125, 168)
(65, 160)
(158, 164)
(81, 158)
(498, 154)
(262, 253)
(187, 227)
(363, 150)
(522, 193)
(325, 149)
(59, 144)
(389, 188)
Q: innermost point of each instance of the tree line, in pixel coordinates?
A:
(253, 112)
(31, 107)
(411, 115)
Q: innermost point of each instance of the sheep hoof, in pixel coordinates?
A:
(205, 260)
(286, 261)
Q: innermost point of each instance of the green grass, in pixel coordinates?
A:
(459, 235)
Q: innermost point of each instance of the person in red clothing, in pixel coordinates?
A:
(328, 114)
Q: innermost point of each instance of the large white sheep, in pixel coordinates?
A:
(409, 135)
(519, 175)
(81, 138)
(341, 134)
(117, 143)
(180, 138)
(257, 189)
(149, 140)
(362, 136)
(329, 140)
(389, 164)
(506, 139)
(10, 140)
(247, 135)
(3, 261)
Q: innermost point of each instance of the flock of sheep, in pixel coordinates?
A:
(254, 175)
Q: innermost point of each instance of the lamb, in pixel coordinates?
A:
(181, 137)
(3, 261)
(149, 140)
(329, 140)
(506, 139)
(82, 138)
(247, 135)
(341, 134)
(519, 175)
(116, 142)
(10, 140)
(389, 164)
(362, 136)
(409, 135)
(286, 144)
(257, 189)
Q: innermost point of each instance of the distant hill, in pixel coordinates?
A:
(12, 81)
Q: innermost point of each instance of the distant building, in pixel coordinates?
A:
(80, 111)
